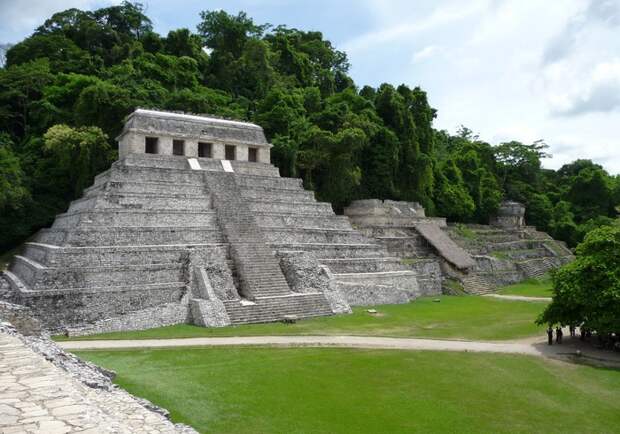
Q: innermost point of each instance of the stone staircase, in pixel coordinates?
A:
(259, 274)
(293, 221)
(477, 284)
(508, 256)
(538, 267)
(275, 308)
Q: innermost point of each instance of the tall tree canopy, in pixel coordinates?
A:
(587, 291)
(65, 90)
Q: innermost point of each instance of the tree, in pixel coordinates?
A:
(13, 191)
(92, 68)
(103, 104)
(587, 291)
(81, 153)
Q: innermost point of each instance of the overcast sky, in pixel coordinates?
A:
(507, 69)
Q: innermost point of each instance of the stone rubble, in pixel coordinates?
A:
(45, 390)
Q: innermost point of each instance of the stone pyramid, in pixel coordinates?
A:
(194, 225)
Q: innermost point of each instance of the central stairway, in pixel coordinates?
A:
(292, 221)
(260, 278)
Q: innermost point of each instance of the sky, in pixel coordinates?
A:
(506, 69)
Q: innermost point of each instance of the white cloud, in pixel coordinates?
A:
(424, 53)
(19, 18)
(396, 28)
(508, 69)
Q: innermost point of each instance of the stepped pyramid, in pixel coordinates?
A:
(479, 257)
(194, 225)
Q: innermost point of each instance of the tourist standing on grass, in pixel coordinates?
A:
(550, 335)
(558, 335)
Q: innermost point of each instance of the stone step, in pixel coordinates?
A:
(516, 255)
(149, 174)
(538, 267)
(274, 309)
(123, 218)
(269, 194)
(105, 200)
(362, 265)
(266, 220)
(55, 256)
(333, 250)
(522, 244)
(39, 277)
(126, 236)
(245, 181)
(477, 284)
(314, 208)
(154, 188)
(313, 235)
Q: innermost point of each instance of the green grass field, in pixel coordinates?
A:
(529, 288)
(329, 390)
(467, 317)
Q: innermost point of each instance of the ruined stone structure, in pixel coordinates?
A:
(393, 224)
(476, 258)
(193, 224)
(511, 215)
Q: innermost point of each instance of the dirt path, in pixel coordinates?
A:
(333, 341)
(533, 346)
(517, 297)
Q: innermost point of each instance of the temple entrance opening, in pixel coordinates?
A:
(253, 155)
(204, 150)
(230, 152)
(178, 147)
(151, 145)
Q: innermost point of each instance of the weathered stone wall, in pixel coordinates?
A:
(58, 310)
(429, 276)
(377, 288)
(371, 293)
(20, 317)
(159, 316)
(386, 213)
(304, 274)
(213, 261)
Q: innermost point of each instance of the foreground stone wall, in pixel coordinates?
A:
(45, 390)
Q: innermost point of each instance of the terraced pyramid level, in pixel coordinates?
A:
(478, 257)
(507, 255)
(155, 242)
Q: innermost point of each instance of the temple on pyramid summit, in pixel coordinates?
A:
(194, 225)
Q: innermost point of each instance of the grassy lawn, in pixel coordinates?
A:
(466, 317)
(529, 288)
(330, 390)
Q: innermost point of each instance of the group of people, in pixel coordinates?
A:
(559, 334)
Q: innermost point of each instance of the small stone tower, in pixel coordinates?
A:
(510, 215)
